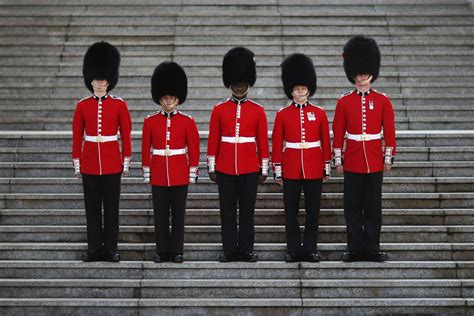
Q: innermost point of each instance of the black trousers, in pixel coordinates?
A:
(165, 199)
(241, 189)
(363, 210)
(102, 190)
(312, 201)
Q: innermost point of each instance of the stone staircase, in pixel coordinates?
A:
(428, 199)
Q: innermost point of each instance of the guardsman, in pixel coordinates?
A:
(364, 114)
(96, 151)
(301, 155)
(170, 159)
(238, 155)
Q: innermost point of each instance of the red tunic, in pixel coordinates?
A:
(303, 125)
(239, 122)
(170, 131)
(101, 117)
(366, 113)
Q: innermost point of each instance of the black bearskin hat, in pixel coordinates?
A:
(298, 69)
(361, 56)
(169, 78)
(239, 66)
(101, 62)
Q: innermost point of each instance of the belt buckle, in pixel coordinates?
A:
(99, 138)
(167, 152)
(304, 145)
(237, 139)
(364, 137)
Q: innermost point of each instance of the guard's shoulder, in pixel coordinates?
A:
(153, 114)
(348, 93)
(84, 99)
(379, 92)
(284, 107)
(222, 102)
(253, 102)
(186, 115)
(316, 106)
(117, 98)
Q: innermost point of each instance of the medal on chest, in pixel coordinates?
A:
(371, 105)
(311, 116)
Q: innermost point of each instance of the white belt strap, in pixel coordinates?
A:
(363, 137)
(169, 152)
(305, 145)
(100, 138)
(238, 139)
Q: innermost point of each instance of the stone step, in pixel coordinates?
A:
(210, 200)
(401, 169)
(189, 270)
(143, 217)
(225, 288)
(135, 185)
(212, 234)
(266, 252)
(231, 306)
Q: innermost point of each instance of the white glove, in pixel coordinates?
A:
(146, 175)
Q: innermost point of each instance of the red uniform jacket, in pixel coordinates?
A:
(301, 124)
(104, 116)
(361, 113)
(238, 120)
(172, 131)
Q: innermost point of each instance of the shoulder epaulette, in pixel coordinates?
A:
(185, 114)
(153, 114)
(83, 99)
(380, 93)
(255, 103)
(346, 94)
(223, 101)
(116, 97)
(284, 107)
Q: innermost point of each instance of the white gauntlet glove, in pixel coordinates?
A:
(126, 165)
(277, 173)
(193, 174)
(77, 167)
(146, 175)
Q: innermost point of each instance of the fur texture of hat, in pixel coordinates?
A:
(239, 66)
(298, 69)
(101, 62)
(169, 78)
(361, 56)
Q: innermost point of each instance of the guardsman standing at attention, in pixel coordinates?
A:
(96, 152)
(166, 165)
(363, 114)
(301, 155)
(238, 155)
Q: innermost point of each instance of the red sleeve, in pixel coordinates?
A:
(146, 144)
(339, 126)
(325, 138)
(126, 131)
(262, 137)
(193, 143)
(77, 132)
(389, 126)
(277, 139)
(214, 134)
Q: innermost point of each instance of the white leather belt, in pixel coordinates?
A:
(363, 137)
(305, 145)
(239, 139)
(100, 139)
(169, 152)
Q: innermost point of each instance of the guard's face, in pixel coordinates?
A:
(239, 89)
(363, 80)
(169, 102)
(99, 86)
(300, 94)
